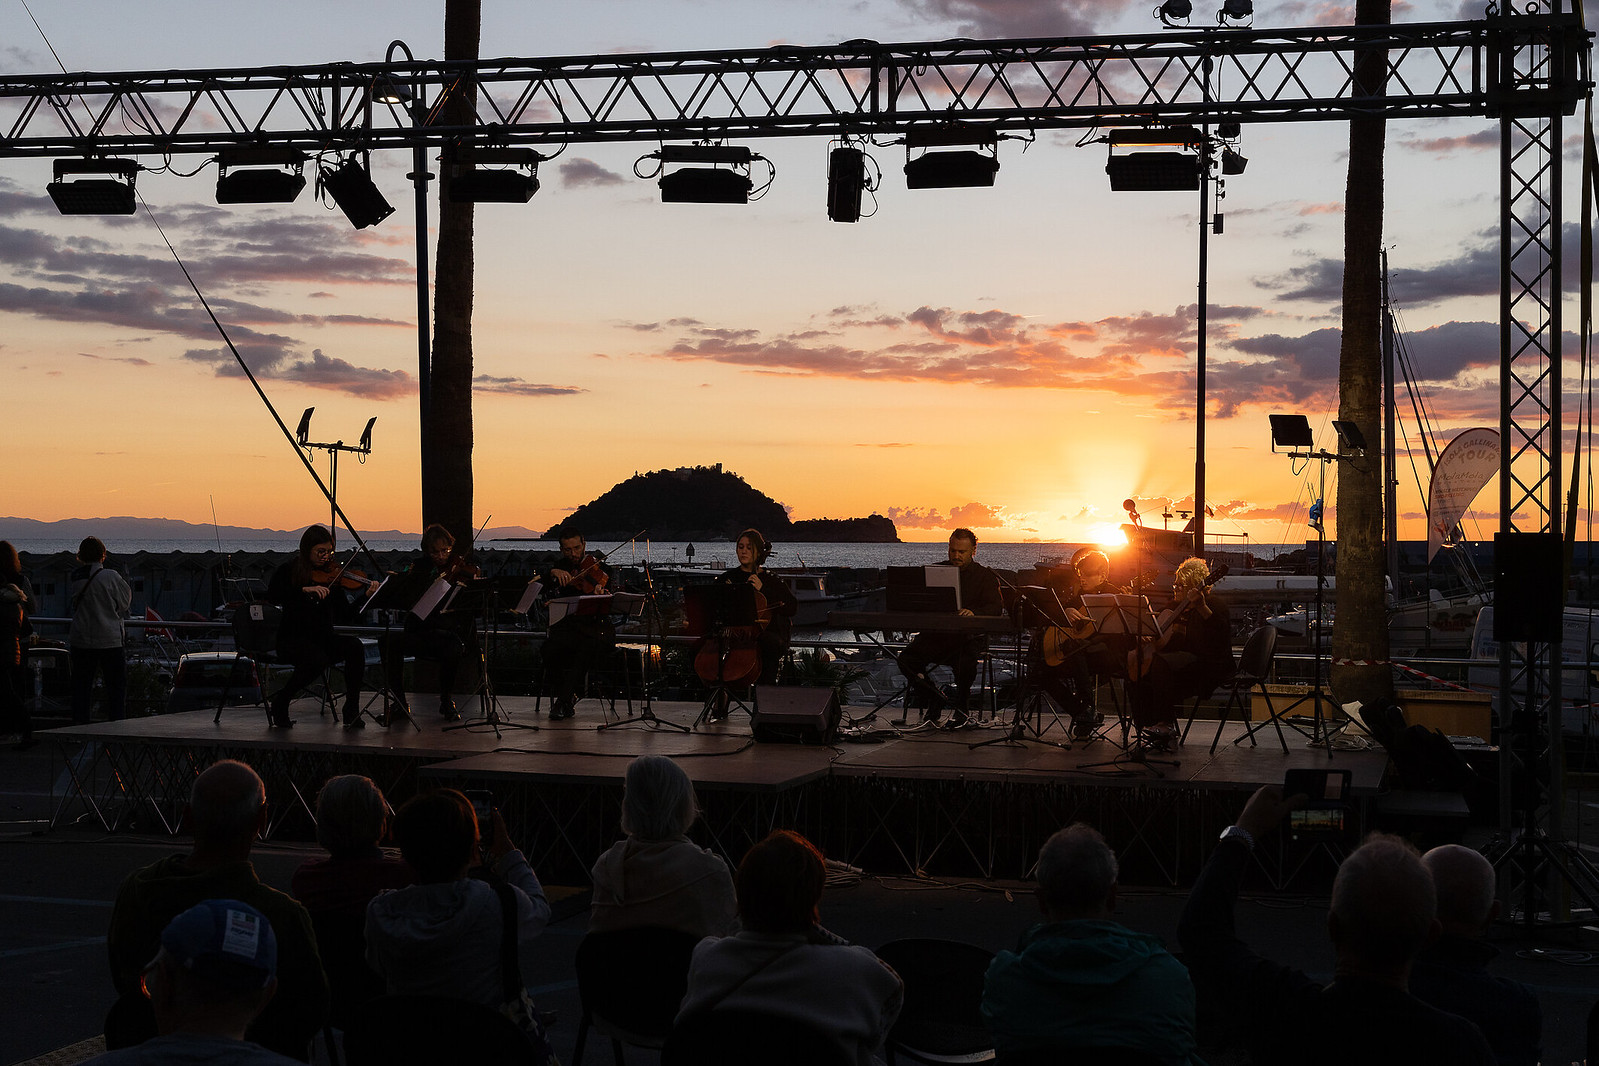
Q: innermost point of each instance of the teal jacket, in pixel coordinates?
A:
(1090, 983)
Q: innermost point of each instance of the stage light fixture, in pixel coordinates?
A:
(944, 164)
(109, 191)
(1174, 12)
(1232, 162)
(1236, 11)
(350, 186)
(259, 175)
(1291, 431)
(1154, 171)
(1350, 440)
(715, 174)
(470, 184)
(387, 90)
(850, 174)
(302, 432)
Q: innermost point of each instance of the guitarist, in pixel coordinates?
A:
(1192, 655)
(1060, 656)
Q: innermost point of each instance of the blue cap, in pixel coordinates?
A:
(225, 942)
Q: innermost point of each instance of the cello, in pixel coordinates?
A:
(730, 655)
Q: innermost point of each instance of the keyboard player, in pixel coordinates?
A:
(962, 652)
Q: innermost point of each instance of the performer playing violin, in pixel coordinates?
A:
(310, 589)
(780, 606)
(577, 643)
(1193, 654)
(979, 594)
(441, 637)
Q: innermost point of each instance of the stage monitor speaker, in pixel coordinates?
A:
(1529, 578)
(795, 715)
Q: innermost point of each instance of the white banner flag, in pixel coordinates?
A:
(1465, 466)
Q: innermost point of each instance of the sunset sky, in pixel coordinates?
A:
(1016, 359)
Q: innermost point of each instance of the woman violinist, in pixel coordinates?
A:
(440, 637)
(577, 643)
(775, 605)
(311, 590)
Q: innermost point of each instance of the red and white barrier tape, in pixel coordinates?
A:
(1406, 668)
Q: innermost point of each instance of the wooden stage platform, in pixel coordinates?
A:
(886, 800)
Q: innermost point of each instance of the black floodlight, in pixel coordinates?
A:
(365, 447)
(108, 190)
(1132, 168)
(716, 174)
(945, 163)
(302, 432)
(350, 186)
(470, 184)
(847, 180)
(1174, 12)
(1232, 162)
(1236, 11)
(1291, 431)
(259, 175)
(1350, 439)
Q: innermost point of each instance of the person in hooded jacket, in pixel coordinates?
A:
(1080, 980)
(441, 936)
(657, 876)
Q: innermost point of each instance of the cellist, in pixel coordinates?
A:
(776, 607)
(577, 643)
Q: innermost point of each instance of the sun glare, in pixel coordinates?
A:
(1110, 536)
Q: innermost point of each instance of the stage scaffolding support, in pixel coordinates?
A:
(1526, 66)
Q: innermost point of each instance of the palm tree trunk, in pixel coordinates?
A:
(1361, 632)
(447, 465)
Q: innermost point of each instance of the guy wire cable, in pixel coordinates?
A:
(288, 436)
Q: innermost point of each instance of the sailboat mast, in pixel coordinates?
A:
(1390, 465)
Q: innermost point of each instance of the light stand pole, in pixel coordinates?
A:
(333, 448)
(411, 97)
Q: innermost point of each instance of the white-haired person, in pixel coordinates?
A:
(1452, 972)
(1191, 655)
(657, 876)
(1079, 980)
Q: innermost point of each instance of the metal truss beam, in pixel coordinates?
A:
(861, 88)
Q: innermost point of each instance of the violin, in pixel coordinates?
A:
(341, 577)
(458, 568)
(587, 577)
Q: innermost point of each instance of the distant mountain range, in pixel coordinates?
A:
(125, 528)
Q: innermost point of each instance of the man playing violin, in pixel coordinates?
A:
(441, 637)
(307, 587)
(777, 620)
(577, 643)
(1192, 655)
(979, 594)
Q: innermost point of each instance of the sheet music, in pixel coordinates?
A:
(529, 596)
(376, 592)
(430, 600)
(945, 577)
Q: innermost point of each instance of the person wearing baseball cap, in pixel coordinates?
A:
(216, 970)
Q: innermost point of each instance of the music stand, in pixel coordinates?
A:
(1034, 607)
(1127, 619)
(635, 604)
(392, 595)
(713, 610)
(482, 597)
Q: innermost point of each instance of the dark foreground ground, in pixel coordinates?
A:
(56, 891)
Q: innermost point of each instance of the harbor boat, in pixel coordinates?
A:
(815, 597)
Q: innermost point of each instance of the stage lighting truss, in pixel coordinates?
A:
(851, 172)
(349, 184)
(260, 175)
(709, 174)
(514, 181)
(952, 156)
(105, 187)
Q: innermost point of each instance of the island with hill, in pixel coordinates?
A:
(708, 503)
